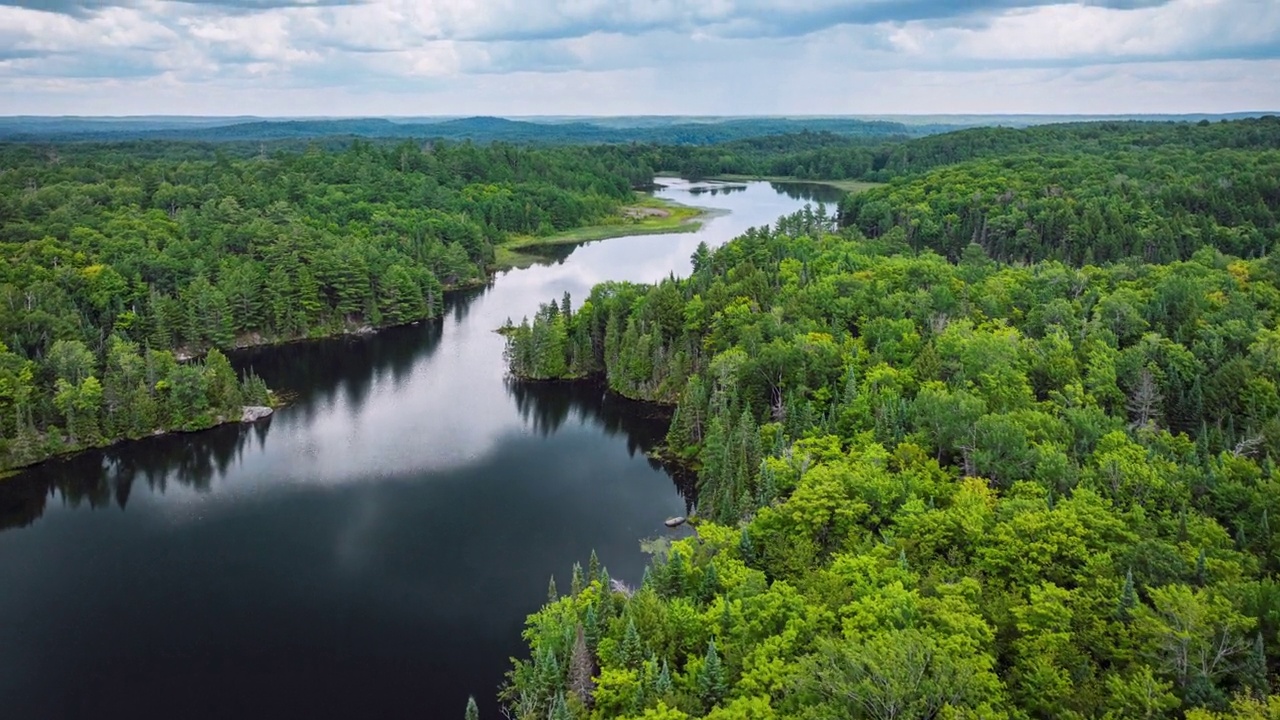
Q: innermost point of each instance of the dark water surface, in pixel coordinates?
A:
(369, 552)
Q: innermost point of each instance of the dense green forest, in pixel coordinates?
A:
(814, 154)
(116, 255)
(933, 483)
(1157, 205)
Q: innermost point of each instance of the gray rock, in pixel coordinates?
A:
(254, 413)
(676, 521)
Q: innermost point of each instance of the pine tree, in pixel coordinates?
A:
(1253, 673)
(559, 709)
(709, 587)
(726, 617)
(746, 549)
(632, 652)
(712, 686)
(591, 628)
(575, 582)
(547, 671)
(1128, 598)
(552, 593)
(663, 684)
(473, 712)
(674, 576)
(593, 567)
(1202, 569)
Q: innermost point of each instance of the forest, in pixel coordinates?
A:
(122, 257)
(942, 475)
(813, 153)
(994, 439)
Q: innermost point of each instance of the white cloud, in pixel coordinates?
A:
(636, 56)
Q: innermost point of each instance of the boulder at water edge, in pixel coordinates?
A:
(254, 413)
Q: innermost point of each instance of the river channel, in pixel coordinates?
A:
(373, 549)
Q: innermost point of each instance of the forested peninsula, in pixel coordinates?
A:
(121, 259)
(997, 441)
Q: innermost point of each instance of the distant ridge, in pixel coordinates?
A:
(692, 130)
(479, 129)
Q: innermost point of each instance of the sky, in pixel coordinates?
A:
(625, 57)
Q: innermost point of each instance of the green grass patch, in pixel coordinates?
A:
(647, 215)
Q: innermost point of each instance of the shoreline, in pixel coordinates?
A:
(669, 217)
(220, 421)
(647, 216)
(849, 186)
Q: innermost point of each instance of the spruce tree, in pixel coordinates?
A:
(560, 709)
(1253, 672)
(709, 587)
(746, 550)
(674, 577)
(473, 712)
(712, 686)
(575, 582)
(552, 594)
(1128, 598)
(591, 628)
(593, 567)
(547, 671)
(631, 650)
(663, 685)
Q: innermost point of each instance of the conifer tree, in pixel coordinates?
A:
(591, 628)
(1128, 598)
(712, 685)
(631, 650)
(709, 587)
(593, 567)
(473, 711)
(1254, 670)
(575, 582)
(663, 684)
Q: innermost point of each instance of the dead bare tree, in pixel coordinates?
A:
(1249, 445)
(582, 670)
(1144, 402)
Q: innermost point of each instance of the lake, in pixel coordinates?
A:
(373, 549)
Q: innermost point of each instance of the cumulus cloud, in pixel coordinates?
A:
(727, 56)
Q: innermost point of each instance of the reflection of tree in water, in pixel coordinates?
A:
(546, 406)
(100, 478)
(714, 190)
(312, 374)
(811, 192)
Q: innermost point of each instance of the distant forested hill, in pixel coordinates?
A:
(479, 129)
(1083, 193)
(814, 154)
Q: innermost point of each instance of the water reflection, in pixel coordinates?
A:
(714, 189)
(101, 478)
(546, 406)
(809, 192)
(372, 549)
